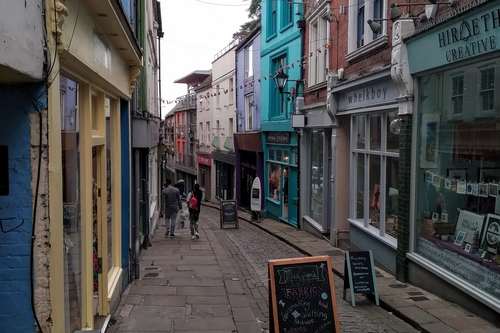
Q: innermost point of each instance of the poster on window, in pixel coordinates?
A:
(491, 235)
(430, 141)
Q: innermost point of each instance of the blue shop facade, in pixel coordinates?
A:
(281, 50)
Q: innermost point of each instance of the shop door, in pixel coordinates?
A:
(248, 175)
(292, 196)
(100, 232)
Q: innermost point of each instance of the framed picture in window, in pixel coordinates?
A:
(491, 233)
(489, 175)
(429, 131)
(457, 174)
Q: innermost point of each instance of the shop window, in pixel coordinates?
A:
(457, 214)
(274, 181)
(109, 215)
(286, 156)
(70, 142)
(279, 155)
(375, 173)
(224, 181)
(271, 154)
(316, 201)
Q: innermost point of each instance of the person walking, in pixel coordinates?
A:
(173, 203)
(194, 203)
(180, 186)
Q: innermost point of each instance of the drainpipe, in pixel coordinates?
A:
(137, 226)
(302, 27)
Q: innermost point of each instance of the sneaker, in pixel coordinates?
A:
(193, 237)
(167, 233)
(197, 236)
(172, 235)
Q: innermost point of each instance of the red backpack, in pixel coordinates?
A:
(193, 202)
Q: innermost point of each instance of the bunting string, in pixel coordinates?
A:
(301, 62)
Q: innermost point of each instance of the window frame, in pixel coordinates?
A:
(249, 61)
(280, 104)
(272, 20)
(371, 41)
(485, 112)
(368, 154)
(316, 40)
(249, 112)
(286, 19)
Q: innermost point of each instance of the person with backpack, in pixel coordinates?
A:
(194, 203)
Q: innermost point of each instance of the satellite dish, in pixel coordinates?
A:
(395, 126)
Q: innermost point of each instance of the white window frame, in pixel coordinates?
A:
(249, 112)
(249, 61)
(481, 111)
(231, 96)
(363, 224)
(208, 133)
(319, 62)
(353, 51)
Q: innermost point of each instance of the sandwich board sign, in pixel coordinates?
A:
(255, 200)
(359, 275)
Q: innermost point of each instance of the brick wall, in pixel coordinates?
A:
(19, 128)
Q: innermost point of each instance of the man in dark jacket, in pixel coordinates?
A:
(194, 214)
(180, 186)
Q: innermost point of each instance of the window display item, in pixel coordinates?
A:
(444, 217)
(460, 238)
(468, 247)
(469, 223)
(432, 228)
(491, 233)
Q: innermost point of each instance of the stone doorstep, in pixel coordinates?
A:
(386, 299)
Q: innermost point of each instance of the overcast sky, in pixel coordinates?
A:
(195, 30)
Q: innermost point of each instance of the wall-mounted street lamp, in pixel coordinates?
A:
(190, 134)
(395, 13)
(281, 80)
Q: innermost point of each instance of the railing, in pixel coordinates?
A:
(227, 48)
(186, 102)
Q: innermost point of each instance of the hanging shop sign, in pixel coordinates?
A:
(204, 160)
(282, 138)
(472, 35)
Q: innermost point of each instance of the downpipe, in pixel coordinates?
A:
(137, 227)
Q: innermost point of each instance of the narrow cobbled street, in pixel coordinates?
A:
(219, 284)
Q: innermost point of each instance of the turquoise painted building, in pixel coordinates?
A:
(281, 49)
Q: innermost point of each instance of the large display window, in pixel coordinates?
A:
(457, 220)
(374, 174)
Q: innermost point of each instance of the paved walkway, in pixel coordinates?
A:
(433, 315)
(219, 284)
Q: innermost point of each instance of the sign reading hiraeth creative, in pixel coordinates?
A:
(471, 35)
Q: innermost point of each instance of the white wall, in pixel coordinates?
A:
(21, 40)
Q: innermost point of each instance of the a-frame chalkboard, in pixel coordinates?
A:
(359, 275)
(302, 296)
(229, 214)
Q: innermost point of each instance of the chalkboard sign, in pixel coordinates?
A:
(302, 296)
(359, 275)
(229, 214)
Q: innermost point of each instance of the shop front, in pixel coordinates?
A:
(281, 176)
(369, 149)
(455, 219)
(223, 175)
(249, 165)
(204, 172)
(90, 99)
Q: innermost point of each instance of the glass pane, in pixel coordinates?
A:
(279, 155)
(271, 154)
(316, 203)
(374, 188)
(359, 125)
(274, 181)
(109, 216)
(375, 131)
(71, 209)
(286, 156)
(360, 186)
(391, 201)
(95, 113)
(392, 138)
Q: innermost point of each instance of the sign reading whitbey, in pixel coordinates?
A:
(302, 296)
(359, 275)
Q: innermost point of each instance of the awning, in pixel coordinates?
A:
(249, 141)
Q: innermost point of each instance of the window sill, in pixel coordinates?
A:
(273, 201)
(271, 37)
(286, 27)
(276, 118)
(317, 86)
(368, 48)
(375, 233)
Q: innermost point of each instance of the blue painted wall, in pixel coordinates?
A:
(15, 247)
(286, 42)
(125, 149)
(240, 81)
